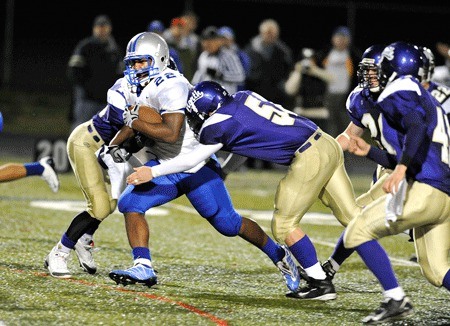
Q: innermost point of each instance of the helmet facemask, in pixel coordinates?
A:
(146, 57)
(368, 75)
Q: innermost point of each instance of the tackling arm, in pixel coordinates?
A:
(178, 164)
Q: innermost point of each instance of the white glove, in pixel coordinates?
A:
(130, 115)
(118, 154)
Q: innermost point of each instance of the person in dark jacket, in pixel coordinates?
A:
(95, 64)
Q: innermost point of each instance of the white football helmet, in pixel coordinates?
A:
(148, 47)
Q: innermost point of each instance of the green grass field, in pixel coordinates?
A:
(204, 278)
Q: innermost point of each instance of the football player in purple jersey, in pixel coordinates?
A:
(417, 190)
(249, 125)
(100, 193)
(439, 91)
(364, 115)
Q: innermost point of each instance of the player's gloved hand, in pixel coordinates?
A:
(129, 115)
(118, 154)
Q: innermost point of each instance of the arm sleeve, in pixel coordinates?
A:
(382, 157)
(186, 161)
(416, 130)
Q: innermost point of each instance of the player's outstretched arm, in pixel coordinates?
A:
(178, 164)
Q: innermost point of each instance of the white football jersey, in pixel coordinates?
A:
(167, 93)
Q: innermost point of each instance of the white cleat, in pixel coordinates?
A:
(49, 174)
(56, 263)
(85, 257)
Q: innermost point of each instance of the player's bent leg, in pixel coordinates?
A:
(220, 213)
(432, 244)
(375, 191)
(138, 237)
(133, 203)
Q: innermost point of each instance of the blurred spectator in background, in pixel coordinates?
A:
(271, 62)
(181, 37)
(218, 63)
(442, 73)
(93, 67)
(156, 26)
(307, 83)
(340, 61)
(190, 39)
(229, 41)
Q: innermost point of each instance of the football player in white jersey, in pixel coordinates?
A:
(154, 84)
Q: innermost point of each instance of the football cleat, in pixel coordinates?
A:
(328, 269)
(56, 263)
(139, 273)
(85, 257)
(315, 290)
(49, 174)
(390, 309)
(289, 270)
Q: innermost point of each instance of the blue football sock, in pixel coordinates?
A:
(141, 252)
(66, 242)
(378, 262)
(34, 168)
(304, 251)
(446, 281)
(273, 250)
(341, 253)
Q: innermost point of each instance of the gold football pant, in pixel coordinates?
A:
(427, 211)
(317, 172)
(82, 144)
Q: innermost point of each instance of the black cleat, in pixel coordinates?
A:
(315, 290)
(390, 309)
(328, 269)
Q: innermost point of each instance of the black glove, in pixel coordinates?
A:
(136, 143)
(118, 154)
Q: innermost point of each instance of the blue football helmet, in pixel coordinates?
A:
(205, 98)
(428, 64)
(148, 47)
(400, 59)
(368, 68)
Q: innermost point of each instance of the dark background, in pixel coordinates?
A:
(45, 32)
